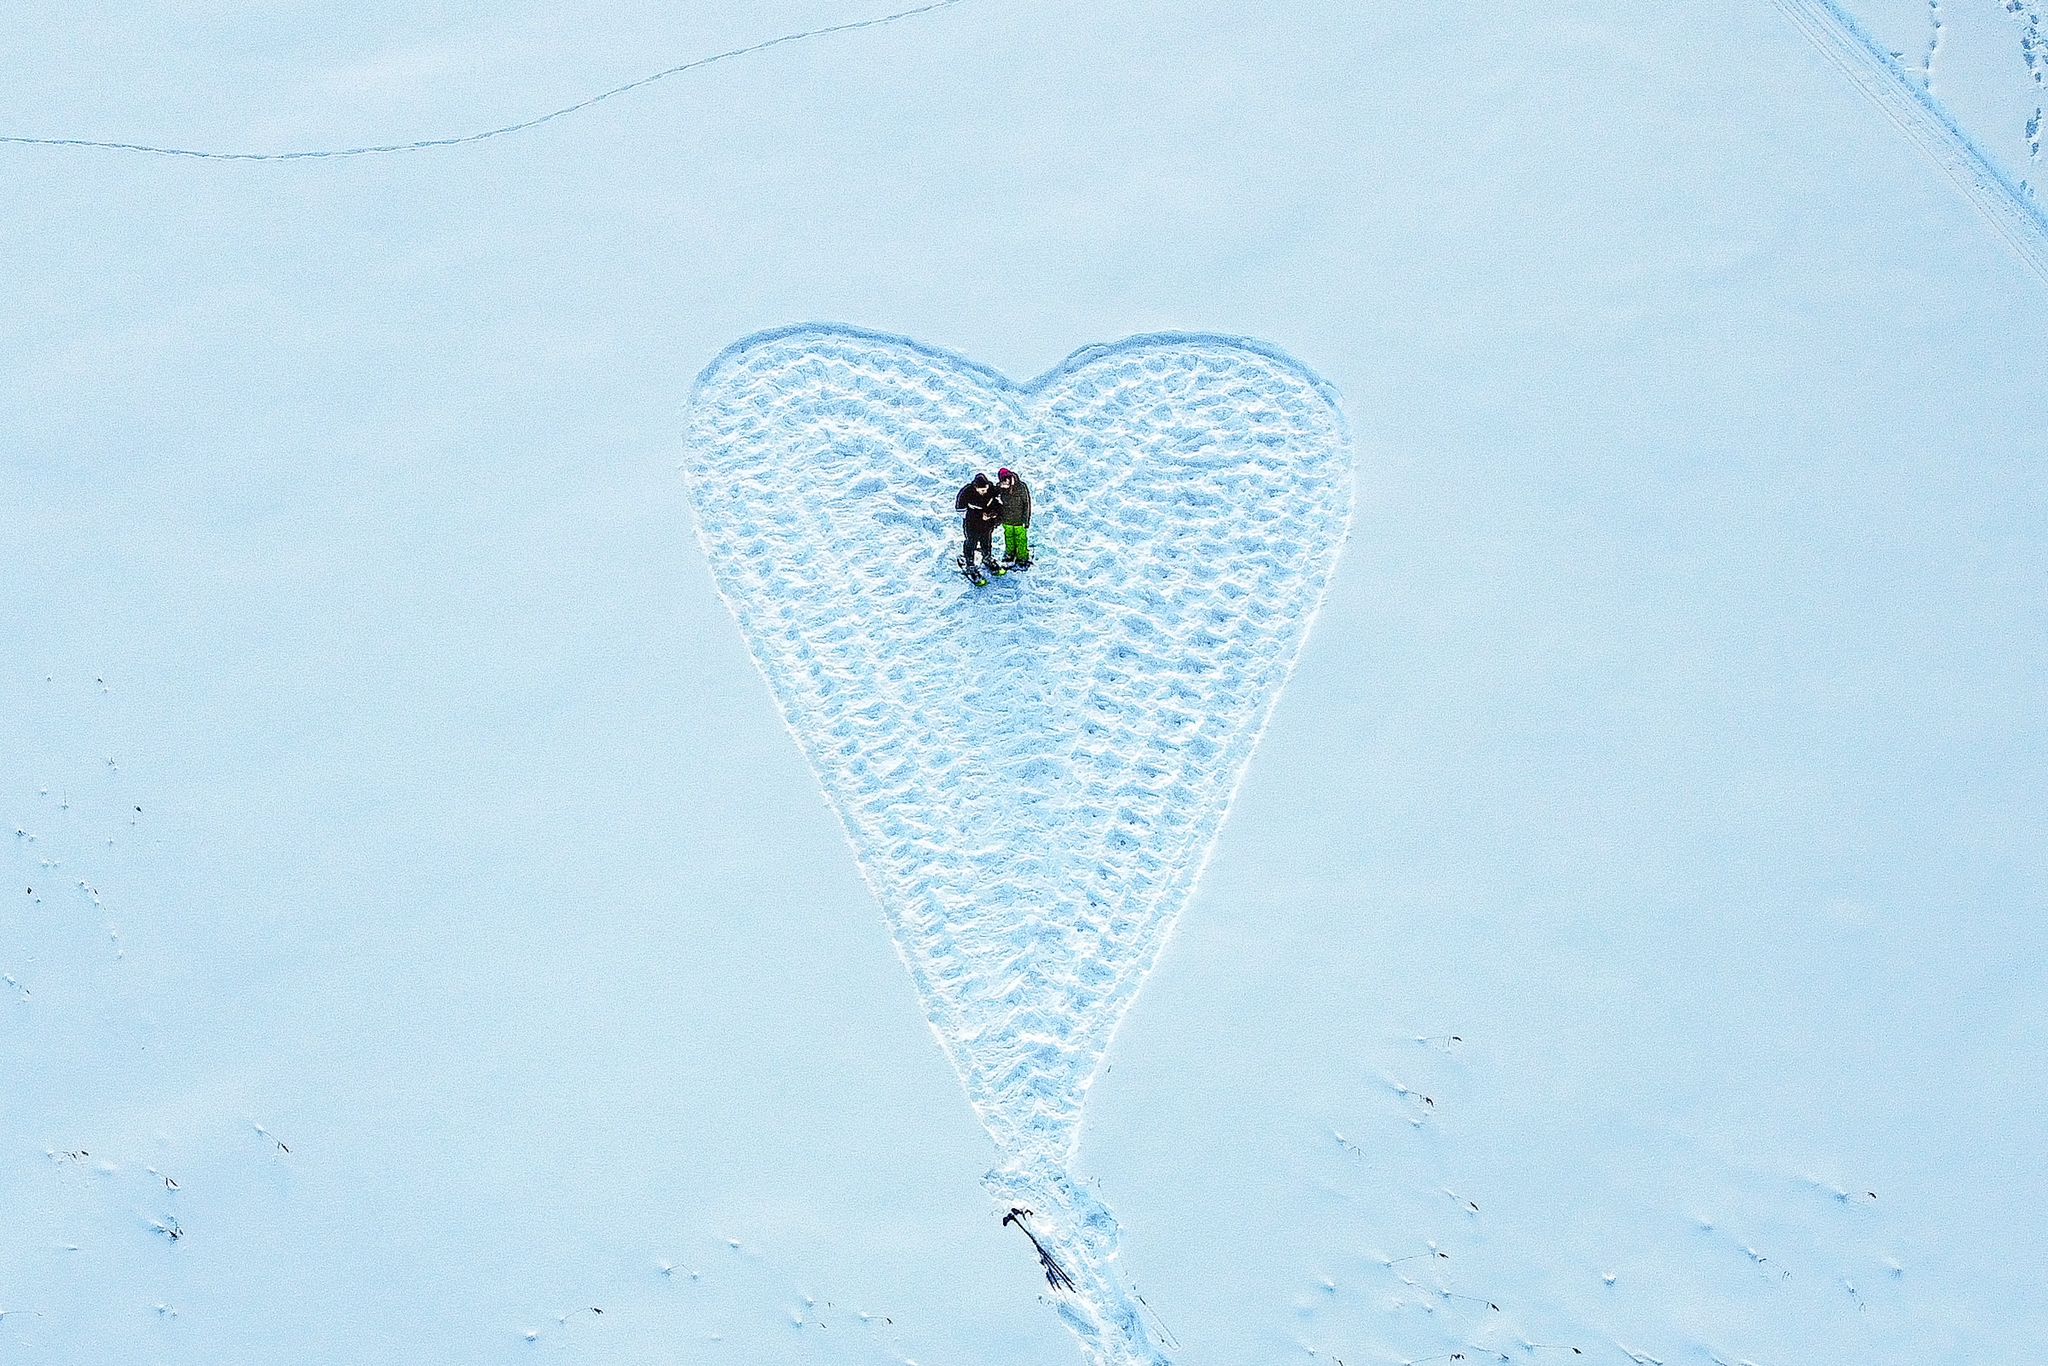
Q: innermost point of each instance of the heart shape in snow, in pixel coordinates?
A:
(1031, 773)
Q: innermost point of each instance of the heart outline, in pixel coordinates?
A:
(835, 397)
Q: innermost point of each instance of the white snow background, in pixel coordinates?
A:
(1637, 895)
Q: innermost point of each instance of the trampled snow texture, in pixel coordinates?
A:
(1032, 773)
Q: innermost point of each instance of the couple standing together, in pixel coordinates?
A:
(986, 505)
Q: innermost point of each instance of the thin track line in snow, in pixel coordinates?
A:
(1934, 27)
(1893, 89)
(459, 139)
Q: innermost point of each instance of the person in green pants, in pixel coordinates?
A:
(1015, 497)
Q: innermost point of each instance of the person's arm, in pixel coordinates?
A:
(1025, 489)
(960, 499)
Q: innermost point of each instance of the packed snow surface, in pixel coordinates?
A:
(1032, 771)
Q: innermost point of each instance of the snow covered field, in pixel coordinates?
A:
(1626, 944)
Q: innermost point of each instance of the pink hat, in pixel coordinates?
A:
(1004, 474)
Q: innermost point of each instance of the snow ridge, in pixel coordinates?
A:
(1031, 774)
(1907, 100)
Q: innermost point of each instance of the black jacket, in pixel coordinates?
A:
(981, 505)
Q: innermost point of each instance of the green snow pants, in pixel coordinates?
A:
(1017, 542)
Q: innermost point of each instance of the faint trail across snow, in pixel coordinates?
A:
(1904, 100)
(1030, 774)
(485, 135)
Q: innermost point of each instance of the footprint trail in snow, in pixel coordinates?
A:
(1031, 774)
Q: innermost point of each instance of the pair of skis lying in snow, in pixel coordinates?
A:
(1055, 1275)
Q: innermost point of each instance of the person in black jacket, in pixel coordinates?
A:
(981, 512)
